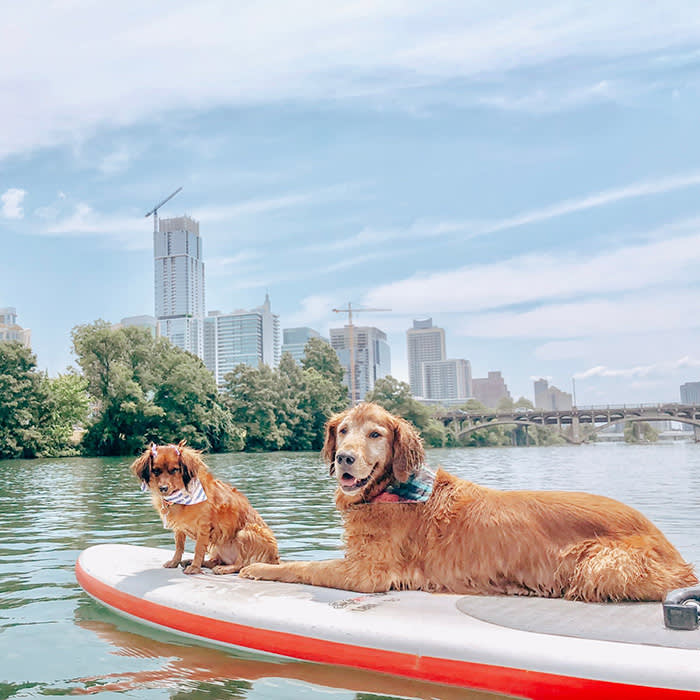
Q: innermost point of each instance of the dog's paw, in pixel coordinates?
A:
(257, 571)
(191, 569)
(222, 569)
(172, 564)
(185, 563)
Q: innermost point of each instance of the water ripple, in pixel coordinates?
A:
(55, 641)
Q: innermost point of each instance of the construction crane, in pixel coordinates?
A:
(349, 311)
(155, 209)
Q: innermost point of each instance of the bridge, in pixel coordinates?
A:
(568, 422)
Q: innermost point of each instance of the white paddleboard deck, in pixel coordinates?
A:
(521, 646)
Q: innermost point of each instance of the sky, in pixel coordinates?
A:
(526, 174)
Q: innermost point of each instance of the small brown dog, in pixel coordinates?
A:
(192, 503)
(408, 528)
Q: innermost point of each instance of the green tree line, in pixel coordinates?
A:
(131, 388)
(396, 397)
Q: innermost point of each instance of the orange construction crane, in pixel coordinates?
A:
(349, 311)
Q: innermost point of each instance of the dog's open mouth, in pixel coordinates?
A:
(349, 483)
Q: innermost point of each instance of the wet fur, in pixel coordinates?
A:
(470, 539)
(225, 526)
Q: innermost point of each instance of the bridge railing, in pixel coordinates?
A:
(660, 407)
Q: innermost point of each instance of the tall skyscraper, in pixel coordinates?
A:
(549, 398)
(690, 392)
(294, 340)
(241, 337)
(491, 389)
(10, 330)
(143, 321)
(447, 380)
(425, 343)
(179, 283)
(371, 352)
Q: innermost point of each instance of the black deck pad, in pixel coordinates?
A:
(633, 623)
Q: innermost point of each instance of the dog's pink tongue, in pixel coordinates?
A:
(348, 479)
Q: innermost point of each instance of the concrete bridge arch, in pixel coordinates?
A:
(568, 423)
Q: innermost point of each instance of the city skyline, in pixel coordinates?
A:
(527, 176)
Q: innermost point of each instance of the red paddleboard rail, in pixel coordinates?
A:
(512, 681)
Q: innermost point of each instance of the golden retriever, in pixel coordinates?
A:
(403, 532)
(192, 503)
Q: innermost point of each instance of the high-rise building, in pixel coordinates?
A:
(179, 283)
(447, 380)
(10, 330)
(541, 393)
(490, 390)
(690, 392)
(294, 341)
(241, 337)
(372, 356)
(549, 398)
(425, 343)
(143, 321)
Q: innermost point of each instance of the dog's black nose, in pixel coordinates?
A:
(344, 458)
(163, 489)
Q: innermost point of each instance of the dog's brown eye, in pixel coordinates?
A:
(342, 431)
(175, 470)
(374, 434)
(156, 472)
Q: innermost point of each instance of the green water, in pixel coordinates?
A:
(54, 640)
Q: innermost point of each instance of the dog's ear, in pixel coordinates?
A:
(189, 461)
(141, 467)
(409, 453)
(328, 451)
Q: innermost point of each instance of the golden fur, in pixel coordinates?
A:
(225, 525)
(470, 539)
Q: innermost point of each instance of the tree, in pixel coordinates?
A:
(192, 406)
(325, 397)
(640, 431)
(284, 408)
(395, 396)
(67, 408)
(252, 395)
(23, 401)
(320, 356)
(145, 389)
(310, 397)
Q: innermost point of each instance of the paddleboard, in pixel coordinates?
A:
(525, 647)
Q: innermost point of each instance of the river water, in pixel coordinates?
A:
(54, 640)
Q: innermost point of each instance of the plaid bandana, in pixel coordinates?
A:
(417, 489)
(194, 494)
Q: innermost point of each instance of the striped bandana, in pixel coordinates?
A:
(417, 489)
(192, 495)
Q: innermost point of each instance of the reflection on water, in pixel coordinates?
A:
(54, 640)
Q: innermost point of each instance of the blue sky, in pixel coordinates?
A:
(526, 174)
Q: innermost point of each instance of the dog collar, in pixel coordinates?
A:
(416, 490)
(185, 497)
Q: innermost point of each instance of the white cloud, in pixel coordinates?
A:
(533, 278)
(552, 100)
(12, 203)
(117, 161)
(599, 199)
(315, 311)
(214, 53)
(560, 349)
(131, 231)
(471, 229)
(651, 312)
(642, 371)
(234, 264)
